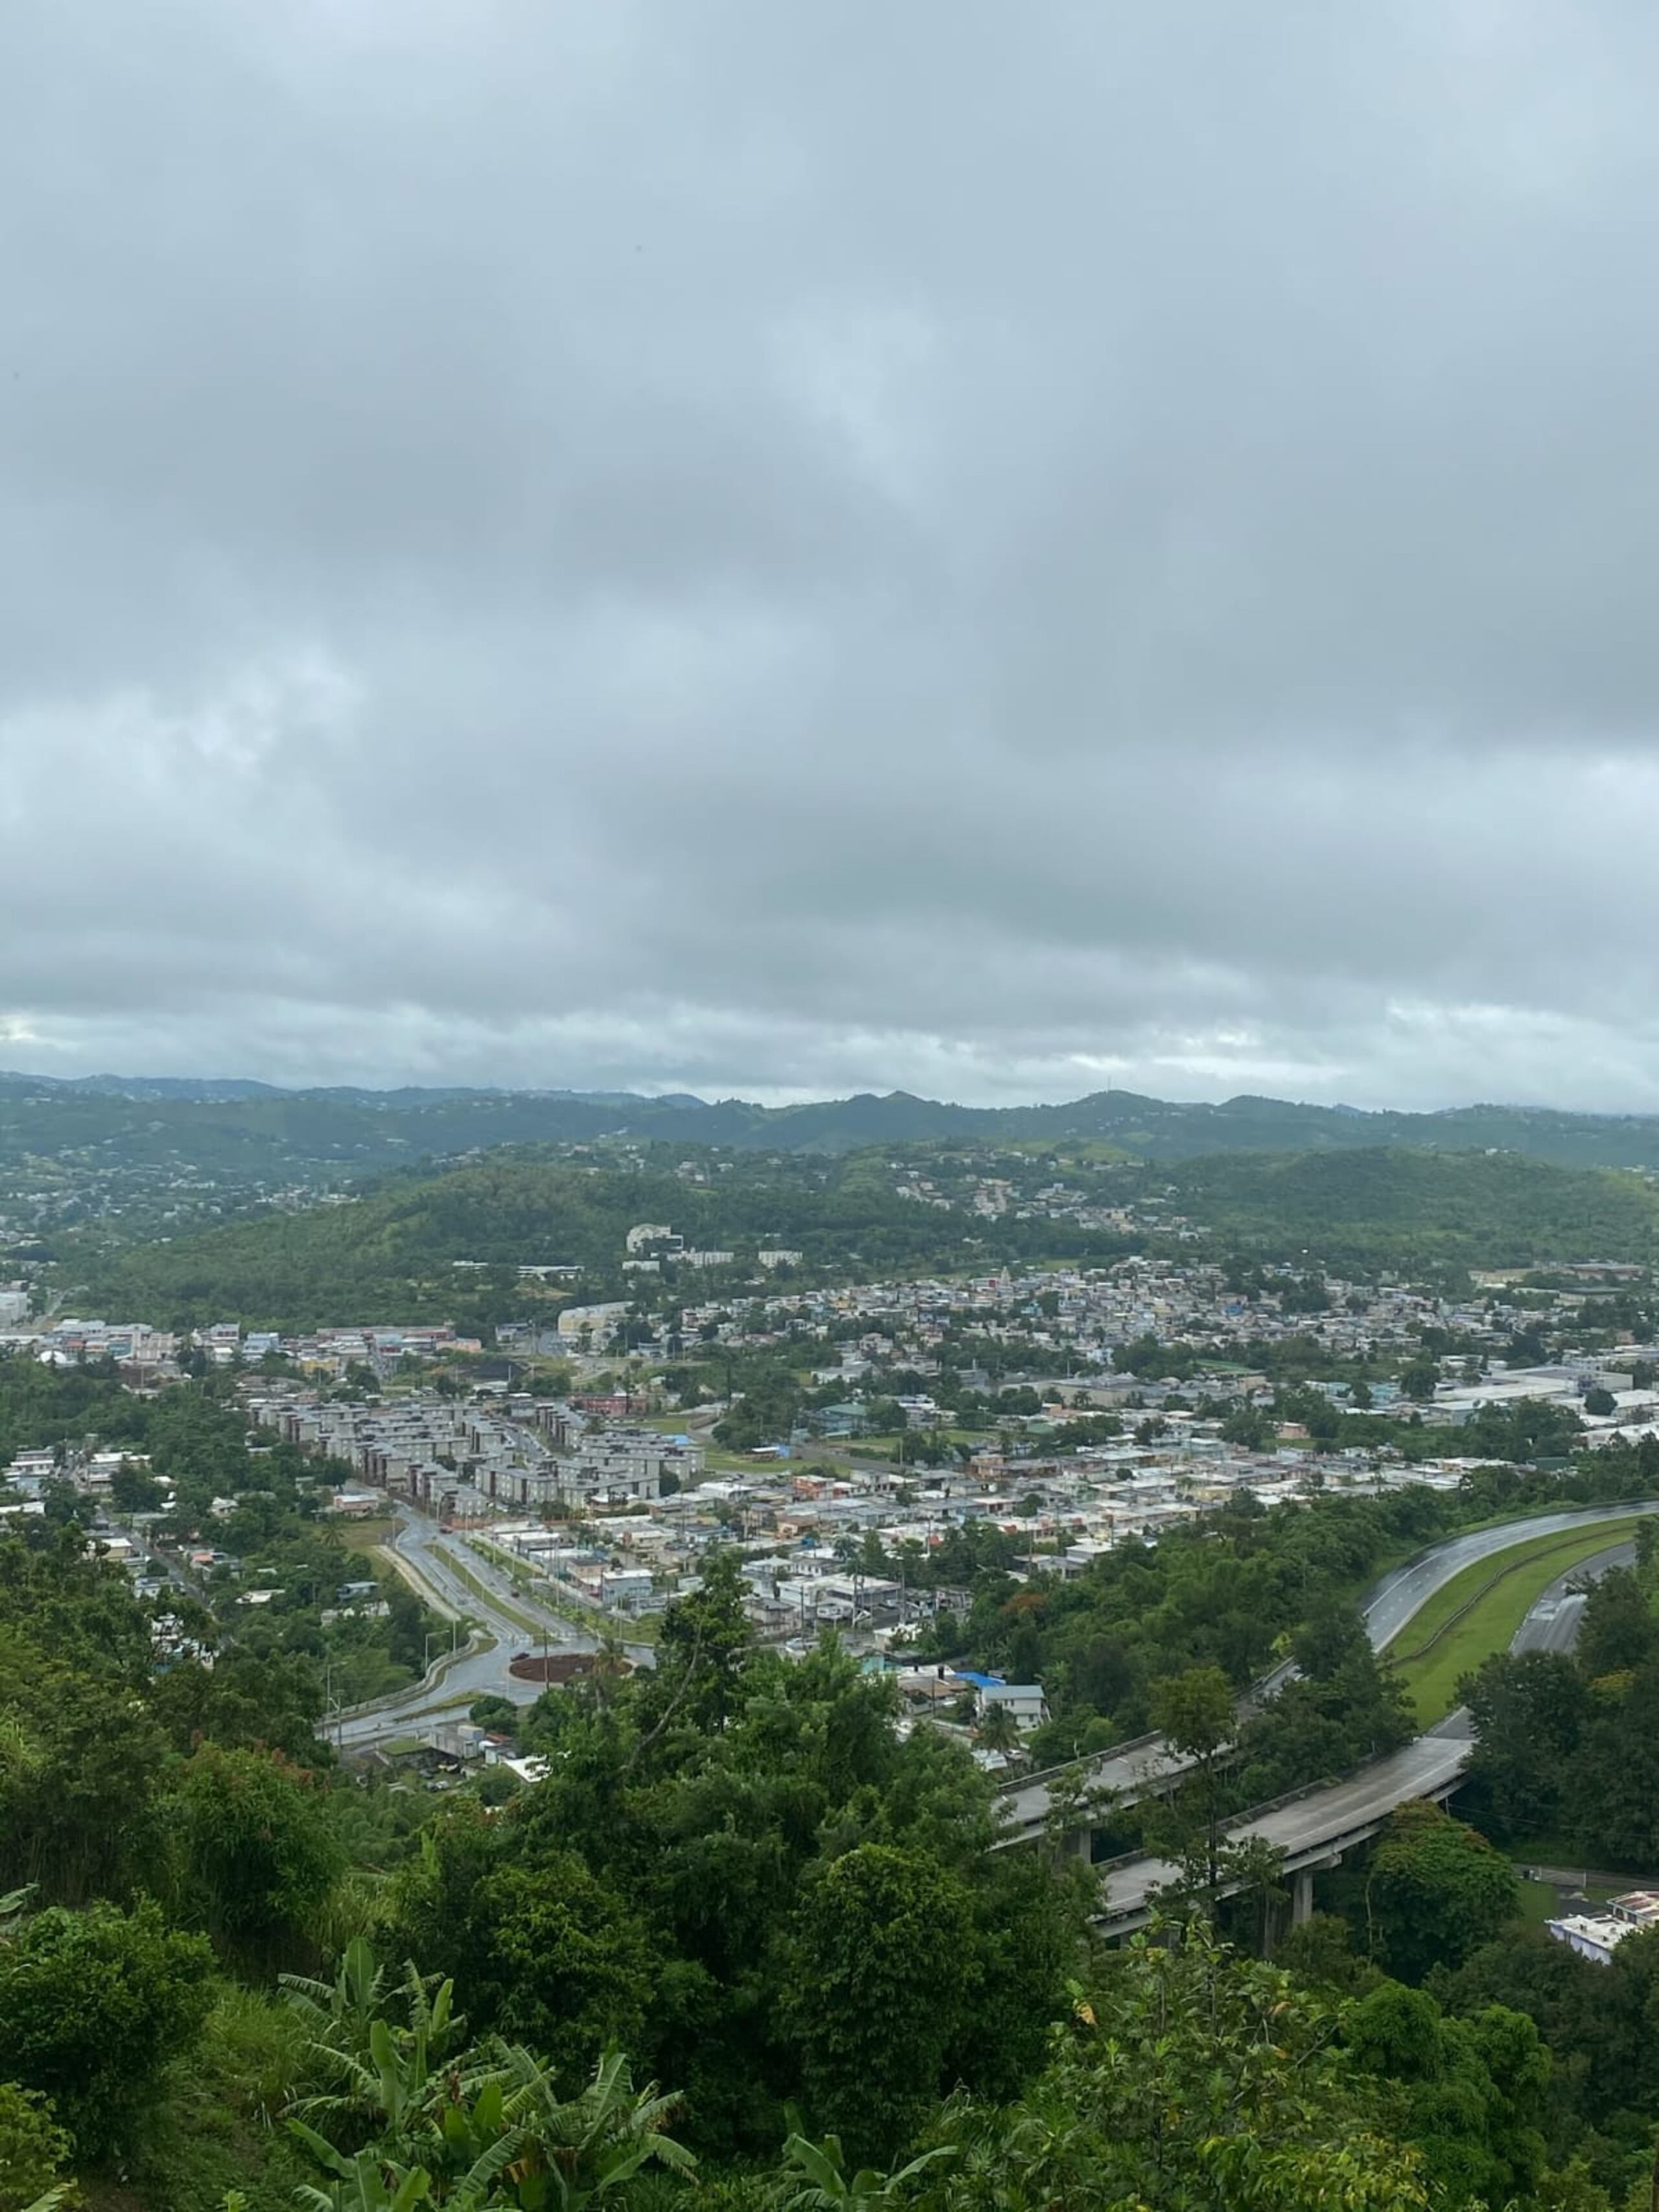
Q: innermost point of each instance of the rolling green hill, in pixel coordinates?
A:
(1495, 1209)
(392, 1253)
(247, 1133)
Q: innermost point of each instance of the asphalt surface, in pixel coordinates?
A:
(1552, 1624)
(1401, 1595)
(1317, 1823)
(1392, 1603)
(451, 1688)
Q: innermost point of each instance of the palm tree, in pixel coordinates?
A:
(998, 1731)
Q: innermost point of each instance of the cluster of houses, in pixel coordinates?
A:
(147, 1356)
(1597, 1936)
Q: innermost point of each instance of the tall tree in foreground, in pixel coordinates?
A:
(1194, 1711)
(1192, 2081)
(882, 1955)
(1436, 1891)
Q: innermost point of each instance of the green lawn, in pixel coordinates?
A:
(1479, 1612)
(366, 1535)
(716, 1459)
(1538, 1903)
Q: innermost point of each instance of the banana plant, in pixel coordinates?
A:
(380, 2076)
(12, 1905)
(815, 2177)
(484, 2128)
(365, 2182)
(372, 2183)
(577, 2151)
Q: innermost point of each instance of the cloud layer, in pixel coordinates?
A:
(786, 548)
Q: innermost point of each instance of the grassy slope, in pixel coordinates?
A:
(1444, 1641)
(1471, 1208)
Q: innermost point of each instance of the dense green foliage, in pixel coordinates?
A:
(715, 1836)
(1233, 1591)
(93, 2006)
(1569, 1745)
(1188, 2080)
(1378, 1206)
(393, 1252)
(738, 1872)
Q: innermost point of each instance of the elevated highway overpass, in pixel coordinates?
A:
(1149, 1767)
(1317, 1827)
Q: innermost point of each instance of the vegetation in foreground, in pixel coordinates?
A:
(740, 1884)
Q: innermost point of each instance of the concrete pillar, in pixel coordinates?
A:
(1081, 1844)
(1301, 1896)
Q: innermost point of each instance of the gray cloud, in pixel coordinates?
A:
(783, 549)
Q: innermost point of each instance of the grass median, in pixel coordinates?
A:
(1480, 1610)
(543, 1591)
(525, 1622)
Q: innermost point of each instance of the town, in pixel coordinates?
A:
(1069, 1410)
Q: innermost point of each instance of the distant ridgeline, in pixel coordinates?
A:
(251, 1130)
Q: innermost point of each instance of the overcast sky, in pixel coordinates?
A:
(793, 545)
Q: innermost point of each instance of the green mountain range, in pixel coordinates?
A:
(245, 1132)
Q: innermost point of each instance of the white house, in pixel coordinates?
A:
(1024, 1700)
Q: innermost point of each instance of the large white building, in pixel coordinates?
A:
(592, 1325)
(1597, 1936)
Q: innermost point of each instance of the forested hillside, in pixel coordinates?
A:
(255, 1132)
(1379, 1204)
(394, 1252)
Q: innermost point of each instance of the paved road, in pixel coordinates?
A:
(1396, 1598)
(1552, 1624)
(1317, 1823)
(1403, 1592)
(431, 1556)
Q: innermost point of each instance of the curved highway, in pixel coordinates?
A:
(1552, 1624)
(1393, 1601)
(1317, 1827)
(1134, 1770)
(428, 1559)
